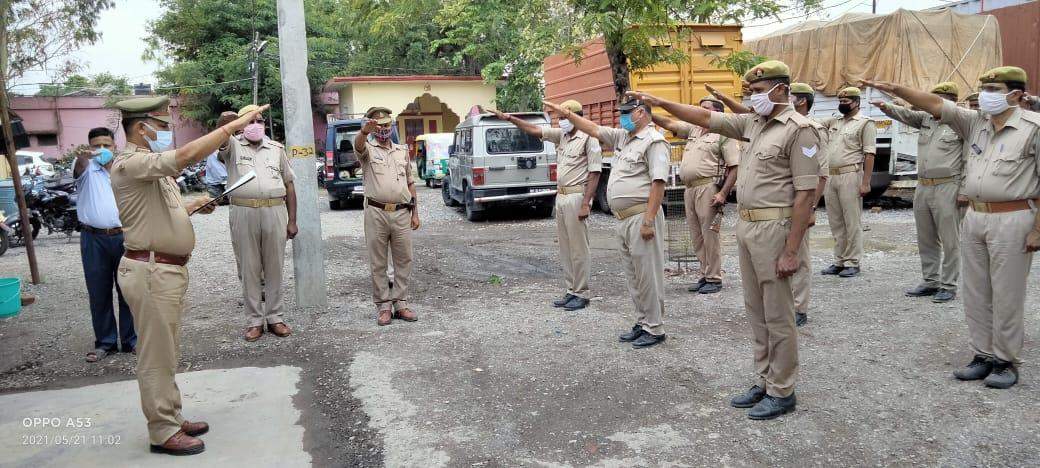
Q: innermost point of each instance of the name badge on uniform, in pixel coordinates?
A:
(976, 148)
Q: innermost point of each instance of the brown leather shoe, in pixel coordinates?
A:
(279, 329)
(407, 315)
(180, 444)
(384, 317)
(195, 429)
(253, 333)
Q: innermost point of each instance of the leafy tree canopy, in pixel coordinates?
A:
(102, 84)
(38, 32)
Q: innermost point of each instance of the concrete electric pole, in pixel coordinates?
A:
(308, 247)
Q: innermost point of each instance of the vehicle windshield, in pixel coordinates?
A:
(511, 140)
(437, 147)
(345, 139)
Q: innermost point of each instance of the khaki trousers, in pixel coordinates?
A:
(801, 281)
(769, 304)
(258, 238)
(574, 243)
(699, 216)
(938, 226)
(644, 268)
(391, 229)
(996, 268)
(155, 293)
(844, 213)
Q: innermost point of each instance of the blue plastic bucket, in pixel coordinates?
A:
(10, 297)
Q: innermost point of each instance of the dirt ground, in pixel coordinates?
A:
(492, 375)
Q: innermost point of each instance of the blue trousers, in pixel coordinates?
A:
(101, 255)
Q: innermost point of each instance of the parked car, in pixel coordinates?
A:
(33, 162)
(342, 168)
(494, 165)
(431, 156)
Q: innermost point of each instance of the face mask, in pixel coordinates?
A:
(844, 108)
(626, 122)
(254, 132)
(993, 103)
(761, 103)
(103, 156)
(163, 140)
(383, 133)
(566, 125)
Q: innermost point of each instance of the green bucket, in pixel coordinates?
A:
(10, 297)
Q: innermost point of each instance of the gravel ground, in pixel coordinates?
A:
(492, 376)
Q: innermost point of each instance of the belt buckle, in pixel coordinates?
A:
(390, 207)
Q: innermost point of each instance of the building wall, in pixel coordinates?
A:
(65, 122)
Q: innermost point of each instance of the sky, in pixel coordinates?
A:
(125, 27)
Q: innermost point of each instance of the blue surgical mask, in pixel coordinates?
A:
(626, 122)
(163, 140)
(103, 156)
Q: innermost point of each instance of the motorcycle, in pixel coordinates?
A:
(191, 178)
(48, 206)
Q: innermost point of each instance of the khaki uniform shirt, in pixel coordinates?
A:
(850, 139)
(781, 158)
(149, 201)
(1000, 165)
(825, 164)
(268, 160)
(704, 151)
(638, 161)
(576, 156)
(940, 151)
(386, 172)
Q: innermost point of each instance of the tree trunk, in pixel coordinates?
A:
(618, 68)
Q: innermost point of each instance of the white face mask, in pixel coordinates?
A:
(993, 103)
(761, 103)
(566, 125)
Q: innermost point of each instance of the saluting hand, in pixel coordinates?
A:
(1033, 241)
(369, 126)
(884, 86)
(248, 118)
(645, 97)
(878, 103)
(787, 264)
(497, 113)
(711, 89)
(553, 106)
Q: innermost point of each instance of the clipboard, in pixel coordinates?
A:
(244, 180)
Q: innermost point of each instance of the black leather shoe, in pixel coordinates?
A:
(749, 398)
(576, 303)
(648, 340)
(563, 300)
(849, 272)
(636, 332)
(800, 319)
(697, 287)
(944, 295)
(771, 407)
(922, 291)
(710, 288)
(831, 270)
(1004, 375)
(978, 369)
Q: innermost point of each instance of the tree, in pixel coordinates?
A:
(102, 84)
(630, 28)
(41, 31)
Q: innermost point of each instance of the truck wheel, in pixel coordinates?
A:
(601, 196)
(446, 195)
(471, 213)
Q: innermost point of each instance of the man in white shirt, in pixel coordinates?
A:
(101, 246)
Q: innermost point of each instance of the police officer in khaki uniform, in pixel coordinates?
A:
(972, 101)
(939, 162)
(391, 213)
(579, 161)
(707, 159)
(851, 147)
(159, 239)
(802, 97)
(263, 218)
(1001, 230)
(635, 191)
(780, 170)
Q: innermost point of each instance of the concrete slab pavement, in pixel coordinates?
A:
(250, 410)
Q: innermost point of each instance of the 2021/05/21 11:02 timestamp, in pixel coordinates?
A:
(74, 439)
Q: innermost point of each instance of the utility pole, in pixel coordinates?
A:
(12, 161)
(308, 247)
(254, 64)
(873, 7)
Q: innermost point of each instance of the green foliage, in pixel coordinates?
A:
(739, 61)
(495, 280)
(102, 84)
(38, 32)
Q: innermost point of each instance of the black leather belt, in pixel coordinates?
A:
(103, 232)
(389, 206)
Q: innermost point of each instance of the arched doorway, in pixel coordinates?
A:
(426, 114)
